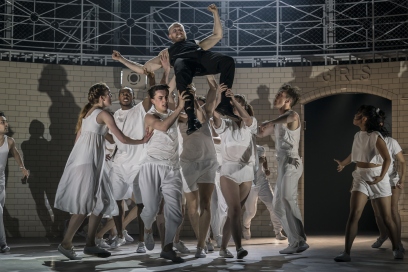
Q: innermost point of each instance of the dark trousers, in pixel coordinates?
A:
(202, 63)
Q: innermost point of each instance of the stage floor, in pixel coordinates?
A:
(34, 254)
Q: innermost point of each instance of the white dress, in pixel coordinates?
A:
(82, 190)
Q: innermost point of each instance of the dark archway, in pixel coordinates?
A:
(329, 134)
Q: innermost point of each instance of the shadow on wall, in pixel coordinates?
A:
(47, 159)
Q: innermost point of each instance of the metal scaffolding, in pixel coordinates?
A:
(269, 33)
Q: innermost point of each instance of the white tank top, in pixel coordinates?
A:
(163, 147)
(286, 140)
(4, 150)
(364, 148)
(198, 146)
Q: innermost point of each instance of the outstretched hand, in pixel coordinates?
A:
(340, 167)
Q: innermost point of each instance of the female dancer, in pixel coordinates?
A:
(370, 179)
(397, 184)
(80, 190)
(237, 170)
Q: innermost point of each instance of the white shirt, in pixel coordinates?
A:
(198, 146)
(163, 147)
(286, 140)
(394, 148)
(237, 144)
(131, 123)
(364, 147)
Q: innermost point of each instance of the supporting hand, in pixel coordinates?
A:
(147, 136)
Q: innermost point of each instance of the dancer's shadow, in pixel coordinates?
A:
(36, 158)
(263, 110)
(63, 113)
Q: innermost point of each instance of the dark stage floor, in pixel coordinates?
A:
(31, 254)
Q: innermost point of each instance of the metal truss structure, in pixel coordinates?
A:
(261, 32)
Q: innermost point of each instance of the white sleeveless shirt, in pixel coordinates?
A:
(4, 150)
(286, 140)
(163, 147)
(364, 148)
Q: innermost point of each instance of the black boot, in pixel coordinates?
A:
(225, 108)
(192, 122)
(193, 125)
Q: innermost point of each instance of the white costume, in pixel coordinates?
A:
(218, 205)
(126, 163)
(237, 149)
(81, 189)
(364, 150)
(394, 148)
(198, 159)
(286, 190)
(260, 189)
(160, 175)
(4, 150)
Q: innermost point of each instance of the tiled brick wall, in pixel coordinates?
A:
(42, 103)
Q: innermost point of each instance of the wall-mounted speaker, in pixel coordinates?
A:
(133, 80)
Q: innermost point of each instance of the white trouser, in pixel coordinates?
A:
(264, 192)
(285, 203)
(2, 200)
(157, 180)
(218, 208)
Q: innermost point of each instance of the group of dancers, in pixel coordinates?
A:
(175, 147)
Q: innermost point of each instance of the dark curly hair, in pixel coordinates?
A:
(158, 87)
(2, 114)
(375, 119)
(292, 92)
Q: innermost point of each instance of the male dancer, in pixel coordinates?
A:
(290, 167)
(124, 174)
(190, 59)
(7, 145)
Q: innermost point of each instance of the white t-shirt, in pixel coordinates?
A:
(131, 123)
(237, 144)
(394, 148)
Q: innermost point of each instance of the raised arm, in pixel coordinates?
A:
(246, 118)
(134, 66)
(216, 116)
(17, 156)
(211, 96)
(213, 39)
(105, 117)
(153, 122)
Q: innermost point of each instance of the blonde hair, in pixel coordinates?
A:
(176, 24)
(96, 91)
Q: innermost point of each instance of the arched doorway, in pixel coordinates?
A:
(329, 134)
